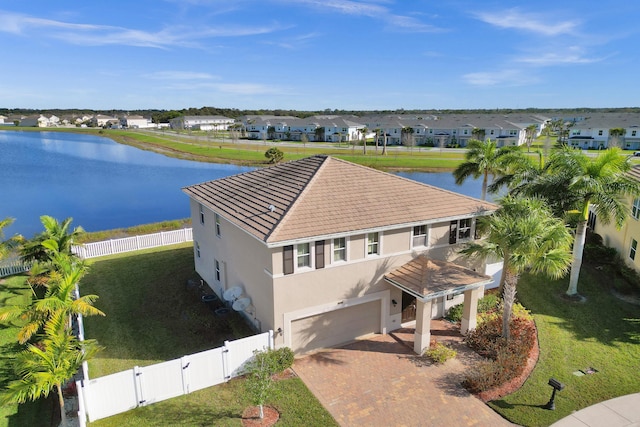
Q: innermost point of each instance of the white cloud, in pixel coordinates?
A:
(507, 77)
(101, 35)
(514, 19)
(180, 75)
(572, 55)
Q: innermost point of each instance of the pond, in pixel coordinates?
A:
(105, 185)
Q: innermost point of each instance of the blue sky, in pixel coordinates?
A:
(319, 54)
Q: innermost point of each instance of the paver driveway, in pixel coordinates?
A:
(380, 382)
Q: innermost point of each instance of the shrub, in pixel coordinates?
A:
(485, 304)
(507, 359)
(440, 353)
(274, 155)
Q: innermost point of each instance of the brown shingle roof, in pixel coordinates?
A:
(321, 195)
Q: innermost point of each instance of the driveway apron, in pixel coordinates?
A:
(381, 382)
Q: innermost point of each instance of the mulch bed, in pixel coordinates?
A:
(251, 416)
(514, 384)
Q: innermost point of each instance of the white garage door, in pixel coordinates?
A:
(335, 327)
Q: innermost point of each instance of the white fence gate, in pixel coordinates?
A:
(141, 386)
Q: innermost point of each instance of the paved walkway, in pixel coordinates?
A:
(381, 382)
(622, 411)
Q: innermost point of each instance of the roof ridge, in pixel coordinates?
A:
(285, 214)
(412, 181)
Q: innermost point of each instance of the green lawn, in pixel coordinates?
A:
(603, 333)
(153, 317)
(222, 405)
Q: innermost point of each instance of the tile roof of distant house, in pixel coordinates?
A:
(324, 196)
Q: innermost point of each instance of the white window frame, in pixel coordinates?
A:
(415, 238)
(462, 230)
(201, 213)
(217, 271)
(376, 243)
(307, 255)
(217, 225)
(633, 248)
(635, 209)
(344, 249)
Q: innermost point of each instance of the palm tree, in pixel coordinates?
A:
(614, 137)
(546, 132)
(484, 158)
(600, 184)
(364, 132)
(526, 235)
(59, 299)
(478, 134)
(54, 231)
(6, 246)
(48, 365)
(407, 136)
(530, 133)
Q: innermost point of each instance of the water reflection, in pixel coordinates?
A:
(104, 185)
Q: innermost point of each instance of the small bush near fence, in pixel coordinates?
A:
(507, 359)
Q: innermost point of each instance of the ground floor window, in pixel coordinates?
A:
(632, 250)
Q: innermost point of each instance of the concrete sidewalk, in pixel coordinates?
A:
(622, 411)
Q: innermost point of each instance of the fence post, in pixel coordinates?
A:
(186, 386)
(162, 238)
(111, 245)
(225, 362)
(271, 344)
(137, 242)
(137, 376)
(82, 411)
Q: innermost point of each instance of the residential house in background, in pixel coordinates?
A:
(626, 239)
(604, 130)
(135, 122)
(327, 251)
(205, 123)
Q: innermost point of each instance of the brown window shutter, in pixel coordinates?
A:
(287, 259)
(320, 254)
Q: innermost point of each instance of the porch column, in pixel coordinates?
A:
(470, 309)
(423, 326)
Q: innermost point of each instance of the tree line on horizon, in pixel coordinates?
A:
(163, 116)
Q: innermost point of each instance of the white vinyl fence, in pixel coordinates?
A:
(134, 243)
(141, 386)
(11, 266)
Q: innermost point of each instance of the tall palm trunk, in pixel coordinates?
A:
(485, 181)
(508, 299)
(578, 248)
(384, 145)
(63, 415)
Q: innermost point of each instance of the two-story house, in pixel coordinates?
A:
(625, 239)
(328, 251)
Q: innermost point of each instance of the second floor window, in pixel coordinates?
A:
(459, 230)
(635, 209)
(303, 255)
(201, 215)
(373, 243)
(217, 225)
(420, 235)
(339, 249)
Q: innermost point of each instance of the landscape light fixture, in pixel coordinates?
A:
(557, 386)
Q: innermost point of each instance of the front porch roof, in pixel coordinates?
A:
(427, 279)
